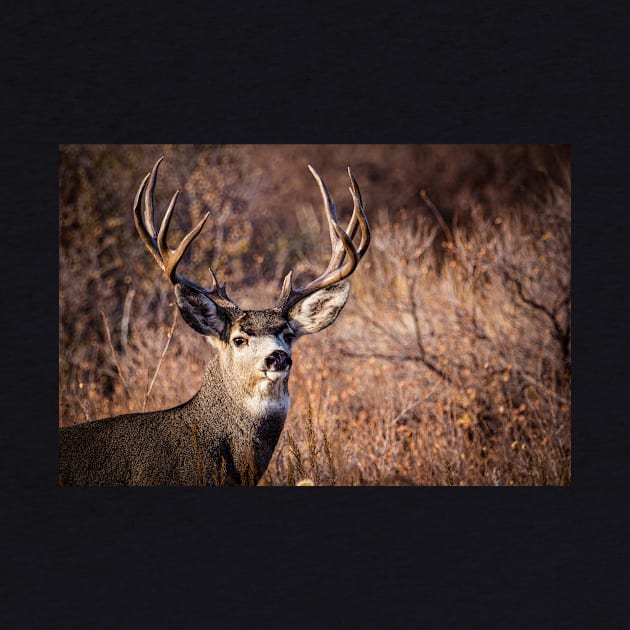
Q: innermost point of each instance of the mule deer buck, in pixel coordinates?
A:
(227, 432)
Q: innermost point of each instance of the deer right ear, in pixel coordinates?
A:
(319, 310)
(200, 312)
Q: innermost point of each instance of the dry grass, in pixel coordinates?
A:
(451, 362)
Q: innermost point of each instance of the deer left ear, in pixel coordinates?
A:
(200, 312)
(319, 310)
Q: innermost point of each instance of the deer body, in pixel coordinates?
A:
(210, 439)
(227, 432)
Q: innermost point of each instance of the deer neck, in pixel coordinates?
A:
(247, 425)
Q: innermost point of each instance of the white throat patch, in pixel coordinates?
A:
(270, 395)
(264, 405)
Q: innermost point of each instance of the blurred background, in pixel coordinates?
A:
(451, 363)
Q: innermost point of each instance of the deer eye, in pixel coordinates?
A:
(239, 341)
(289, 337)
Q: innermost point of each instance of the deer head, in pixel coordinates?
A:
(255, 345)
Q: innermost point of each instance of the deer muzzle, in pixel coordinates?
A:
(278, 361)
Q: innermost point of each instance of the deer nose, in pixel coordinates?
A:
(278, 360)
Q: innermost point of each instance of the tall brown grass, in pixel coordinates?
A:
(451, 362)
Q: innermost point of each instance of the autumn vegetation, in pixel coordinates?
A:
(451, 363)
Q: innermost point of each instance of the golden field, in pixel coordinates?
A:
(451, 363)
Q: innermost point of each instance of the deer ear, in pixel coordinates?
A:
(319, 310)
(200, 312)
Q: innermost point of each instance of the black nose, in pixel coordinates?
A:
(278, 360)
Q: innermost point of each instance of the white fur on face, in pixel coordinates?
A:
(263, 391)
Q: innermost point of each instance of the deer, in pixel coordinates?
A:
(227, 432)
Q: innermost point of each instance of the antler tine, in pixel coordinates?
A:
(358, 219)
(156, 242)
(358, 216)
(145, 231)
(341, 244)
(170, 256)
(149, 212)
(330, 209)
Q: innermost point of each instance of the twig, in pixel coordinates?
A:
(85, 408)
(401, 357)
(159, 365)
(114, 356)
(542, 388)
(561, 335)
(437, 214)
(124, 325)
(411, 287)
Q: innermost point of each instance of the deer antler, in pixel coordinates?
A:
(168, 258)
(341, 244)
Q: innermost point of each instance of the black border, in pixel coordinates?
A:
(372, 557)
